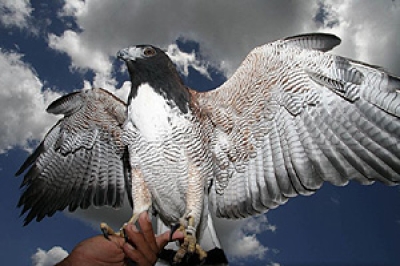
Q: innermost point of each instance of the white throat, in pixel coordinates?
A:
(152, 115)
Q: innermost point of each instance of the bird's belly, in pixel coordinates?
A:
(168, 197)
(165, 171)
(170, 210)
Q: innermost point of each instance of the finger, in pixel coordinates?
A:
(147, 230)
(136, 255)
(117, 240)
(137, 240)
(178, 235)
(163, 239)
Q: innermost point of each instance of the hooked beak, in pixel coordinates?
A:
(130, 53)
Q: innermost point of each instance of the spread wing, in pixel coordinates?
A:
(292, 117)
(81, 161)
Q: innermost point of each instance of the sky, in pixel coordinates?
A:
(50, 48)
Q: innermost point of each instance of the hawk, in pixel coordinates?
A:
(290, 118)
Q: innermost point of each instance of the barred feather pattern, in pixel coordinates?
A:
(291, 118)
(81, 160)
(176, 169)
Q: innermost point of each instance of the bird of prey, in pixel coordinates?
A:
(291, 117)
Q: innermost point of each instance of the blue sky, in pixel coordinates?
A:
(49, 49)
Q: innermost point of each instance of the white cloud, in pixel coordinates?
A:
(273, 264)
(185, 60)
(82, 55)
(48, 258)
(15, 13)
(369, 31)
(73, 8)
(247, 246)
(258, 224)
(239, 237)
(226, 33)
(84, 58)
(23, 101)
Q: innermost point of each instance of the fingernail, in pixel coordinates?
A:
(134, 228)
(145, 215)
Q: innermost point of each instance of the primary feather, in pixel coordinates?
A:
(82, 160)
(292, 117)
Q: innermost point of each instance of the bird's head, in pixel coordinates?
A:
(147, 62)
(151, 65)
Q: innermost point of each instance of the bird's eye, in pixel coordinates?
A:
(149, 51)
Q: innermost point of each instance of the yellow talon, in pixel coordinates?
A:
(201, 252)
(107, 230)
(189, 245)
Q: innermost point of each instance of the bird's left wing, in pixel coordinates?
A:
(293, 116)
(82, 159)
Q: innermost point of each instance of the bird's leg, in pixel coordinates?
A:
(142, 202)
(189, 245)
(191, 219)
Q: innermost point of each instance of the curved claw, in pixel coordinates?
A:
(189, 245)
(107, 230)
(201, 252)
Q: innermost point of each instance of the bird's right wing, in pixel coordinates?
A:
(292, 117)
(82, 160)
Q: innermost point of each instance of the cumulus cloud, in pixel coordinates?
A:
(23, 101)
(15, 13)
(247, 246)
(83, 56)
(48, 258)
(239, 237)
(185, 60)
(258, 224)
(227, 33)
(73, 8)
(273, 264)
(368, 29)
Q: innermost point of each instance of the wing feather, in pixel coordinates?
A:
(292, 117)
(82, 159)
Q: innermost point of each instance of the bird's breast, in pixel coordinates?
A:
(154, 115)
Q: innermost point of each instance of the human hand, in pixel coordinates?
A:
(97, 251)
(142, 248)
